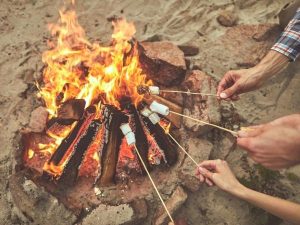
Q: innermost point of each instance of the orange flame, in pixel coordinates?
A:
(76, 68)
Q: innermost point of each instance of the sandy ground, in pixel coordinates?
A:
(23, 27)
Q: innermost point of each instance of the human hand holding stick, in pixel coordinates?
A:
(220, 174)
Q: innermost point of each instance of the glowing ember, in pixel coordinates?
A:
(30, 153)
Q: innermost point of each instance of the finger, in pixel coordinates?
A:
(251, 131)
(247, 143)
(225, 83)
(209, 183)
(208, 164)
(229, 92)
(206, 173)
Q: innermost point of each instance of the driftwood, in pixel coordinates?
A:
(175, 119)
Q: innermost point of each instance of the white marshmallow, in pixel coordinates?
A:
(130, 138)
(125, 128)
(153, 90)
(159, 108)
(146, 112)
(154, 118)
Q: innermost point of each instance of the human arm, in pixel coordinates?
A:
(275, 145)
(221, 175)
(235, 82)
(286, 49)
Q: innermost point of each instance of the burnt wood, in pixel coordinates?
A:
(113, 119)
(66, 143)
(70, 172)
(164, 142)
(141, 138)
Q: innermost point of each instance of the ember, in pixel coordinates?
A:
(89, 91)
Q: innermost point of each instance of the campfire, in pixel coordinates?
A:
(90, 91)
(105, 120)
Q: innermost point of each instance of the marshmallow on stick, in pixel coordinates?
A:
(152, 90)
(152, 116)
(159, 108)
(129, 135)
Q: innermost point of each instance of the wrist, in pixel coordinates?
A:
(239, 191)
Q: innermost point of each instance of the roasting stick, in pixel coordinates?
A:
(194, 161)
(188, 92)
(130, 138)
(155, 90)
(234, 133)
(162, 201)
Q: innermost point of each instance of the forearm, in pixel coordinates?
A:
(286, 210)
(271, 64)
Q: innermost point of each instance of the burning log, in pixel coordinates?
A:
(70, 171)
(141, 139)
(112, 121)
(70, 111)
(163, 141)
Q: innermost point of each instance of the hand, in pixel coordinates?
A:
(219, 173)
(275, 145)
(236, 82)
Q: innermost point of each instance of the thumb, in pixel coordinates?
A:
(206, 173)
(233, 90)
(246, 132)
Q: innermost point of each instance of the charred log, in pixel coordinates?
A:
(141, 139)
(66, 143)
(113, 118)
(70, 172)
(70, 111)
(163, 141)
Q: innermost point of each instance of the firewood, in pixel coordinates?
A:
(167, 146)
(70, 171)
(113, 119)
(141, 139)
(71, 109)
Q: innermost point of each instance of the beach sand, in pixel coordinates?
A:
(23, 28)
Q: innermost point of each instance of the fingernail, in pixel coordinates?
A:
(223, 95)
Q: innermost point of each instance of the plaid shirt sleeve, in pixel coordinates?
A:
(289, 41)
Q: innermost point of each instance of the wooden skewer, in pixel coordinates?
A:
(234, 133)
(162, 201)
(194, 161)
(188, 92)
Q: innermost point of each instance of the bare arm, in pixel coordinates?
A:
(286, 210)
(236, 82)
(219, 173)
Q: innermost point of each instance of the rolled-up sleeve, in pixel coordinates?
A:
(289, 41)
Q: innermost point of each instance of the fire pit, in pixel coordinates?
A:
(74, 147)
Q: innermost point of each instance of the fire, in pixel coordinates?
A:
(77, 68)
